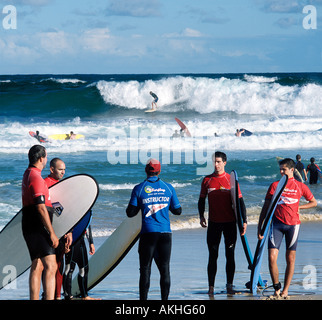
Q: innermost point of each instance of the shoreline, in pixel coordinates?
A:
(188, 269)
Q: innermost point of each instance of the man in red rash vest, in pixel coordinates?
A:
(37, 229)
(285, 222)
(57, 172)
(221, 219)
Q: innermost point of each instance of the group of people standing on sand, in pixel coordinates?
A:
(45, 249)
(154, 198)
(222, 220)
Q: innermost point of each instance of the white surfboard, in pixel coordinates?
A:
(111, 252)
(150, 110)
(73, 196)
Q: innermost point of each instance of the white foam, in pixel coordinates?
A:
(65, 80)
(124, 186)
(260, 79)
(289, 133)
(256, 95)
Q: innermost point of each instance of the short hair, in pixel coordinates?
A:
(288, 162)
(35, 153)
(298, 157)
(54, 161)
(219, 154)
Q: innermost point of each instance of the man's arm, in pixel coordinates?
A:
(201, 209)
(176, 211)
(132, 210)
(244, 215)
(262, 218)
(311, 204)
(44, 216)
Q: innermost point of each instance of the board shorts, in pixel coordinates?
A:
(280, 229)
(36, 236)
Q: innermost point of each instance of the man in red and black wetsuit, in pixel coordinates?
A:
(57, 172)
(221, 219)
(37, 229)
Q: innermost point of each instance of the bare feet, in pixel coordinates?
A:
(90, 298)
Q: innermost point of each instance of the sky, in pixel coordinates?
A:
(160, 36)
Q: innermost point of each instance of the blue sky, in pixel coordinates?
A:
(160, 36)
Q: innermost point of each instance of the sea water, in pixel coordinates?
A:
(283, 111)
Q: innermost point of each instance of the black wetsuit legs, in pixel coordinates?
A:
(77, 255)
(158, 246)
(214, 233)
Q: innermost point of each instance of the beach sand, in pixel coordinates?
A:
(189, 270)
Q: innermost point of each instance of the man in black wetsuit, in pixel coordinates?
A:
(78, 255)
(313, 169)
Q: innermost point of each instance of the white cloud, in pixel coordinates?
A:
(54, 42)
(11, 49)
(186, 33)
(97, 40)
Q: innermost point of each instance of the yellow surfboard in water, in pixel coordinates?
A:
(65, 136)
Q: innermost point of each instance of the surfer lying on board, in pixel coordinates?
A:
(285, 222)
(239, 132)
(71, 136)
(221, 220)
(154, 102)
(39, 138)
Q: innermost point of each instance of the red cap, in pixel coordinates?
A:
(153, 165)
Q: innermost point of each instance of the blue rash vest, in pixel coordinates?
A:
(154, 197)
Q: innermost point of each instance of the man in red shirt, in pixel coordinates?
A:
(57, 171)
(286, 221)
(37, 229)
(221, 219)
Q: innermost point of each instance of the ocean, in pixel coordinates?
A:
(283, 111)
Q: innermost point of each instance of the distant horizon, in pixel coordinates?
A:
(161, 73)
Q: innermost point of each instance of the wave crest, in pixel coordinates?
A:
(248, 95)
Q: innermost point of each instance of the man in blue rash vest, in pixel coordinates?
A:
(154, 198)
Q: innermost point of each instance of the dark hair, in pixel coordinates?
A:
(288, 162)
(219, 154)
(35, 153)
(312, 160)
(54, 161)
(151, 174)
(298, 157)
